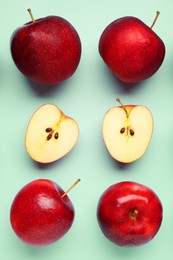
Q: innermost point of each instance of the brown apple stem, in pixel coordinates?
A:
(157, 15)
(117, 99)
(134, 214)
(72, 186)
(32, 17)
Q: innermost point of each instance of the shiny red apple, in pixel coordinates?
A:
(41, 213)
(131, 49)
(46, 50)
(129, 214)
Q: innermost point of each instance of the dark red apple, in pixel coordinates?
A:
(41, 213)
(46, 50)
(131, 49)
(129, 214)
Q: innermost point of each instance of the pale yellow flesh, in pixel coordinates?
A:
(45, 151)
(124, 147)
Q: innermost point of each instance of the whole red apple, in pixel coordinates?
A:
(46, 50)
(131, 49)
(41, 213)
(129, 214)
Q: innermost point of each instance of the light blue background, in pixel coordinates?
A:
(86, 96)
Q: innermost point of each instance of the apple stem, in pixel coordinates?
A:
(71, 187)
(134, 214)
(117, 99)
(157, 15)
(32, 17)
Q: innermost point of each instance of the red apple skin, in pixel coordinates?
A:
(39, 216)
(116, 214)
(46, 51)
(131, 49)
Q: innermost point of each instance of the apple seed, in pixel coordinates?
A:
(56, 135)
(49, 129)
(122, 130)
(132, 132)
(49, 137)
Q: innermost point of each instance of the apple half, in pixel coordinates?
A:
(127, 131)
(50, 134)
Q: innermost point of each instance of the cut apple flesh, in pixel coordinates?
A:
(127, 132)
(50, 134)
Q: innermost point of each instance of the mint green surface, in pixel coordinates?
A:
(86, 96)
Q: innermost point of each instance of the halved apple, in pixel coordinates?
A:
(50, 134)
(127, 131)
